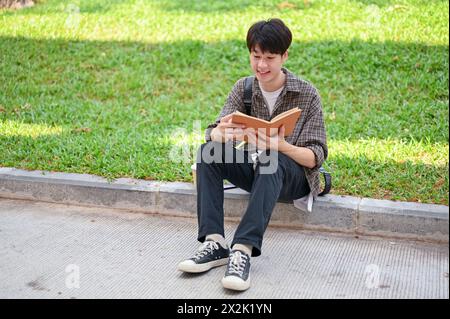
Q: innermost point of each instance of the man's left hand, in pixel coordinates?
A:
(264, 142)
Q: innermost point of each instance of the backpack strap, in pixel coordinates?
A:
(248, 86)
(327, 177)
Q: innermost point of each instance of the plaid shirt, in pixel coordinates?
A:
(309, 131)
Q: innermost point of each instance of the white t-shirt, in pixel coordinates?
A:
(271, 98)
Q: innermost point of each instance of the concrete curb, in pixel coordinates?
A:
(334, 213)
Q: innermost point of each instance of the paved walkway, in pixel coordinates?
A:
(61, 251)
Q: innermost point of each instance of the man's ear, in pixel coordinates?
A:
(285, 56)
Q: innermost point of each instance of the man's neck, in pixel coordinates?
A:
(276, 84)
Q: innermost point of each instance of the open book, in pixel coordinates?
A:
(288, 119)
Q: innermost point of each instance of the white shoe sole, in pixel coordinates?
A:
(235, 283)
(191, 266)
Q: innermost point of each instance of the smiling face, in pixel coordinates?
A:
(267, 68)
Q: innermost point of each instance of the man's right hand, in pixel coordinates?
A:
(227, 131)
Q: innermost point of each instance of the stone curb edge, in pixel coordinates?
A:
(333, 213)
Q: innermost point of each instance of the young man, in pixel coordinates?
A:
(297, 157)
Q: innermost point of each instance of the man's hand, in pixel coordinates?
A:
(227, 131)
(263, 142)
(302, 155)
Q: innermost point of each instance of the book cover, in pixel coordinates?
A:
(288, 119)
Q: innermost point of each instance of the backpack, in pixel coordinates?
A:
(248, 106)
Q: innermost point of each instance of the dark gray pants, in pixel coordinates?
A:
(276, 177)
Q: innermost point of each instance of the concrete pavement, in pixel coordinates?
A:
(50, 250)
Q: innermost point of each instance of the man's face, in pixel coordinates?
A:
(266, 65)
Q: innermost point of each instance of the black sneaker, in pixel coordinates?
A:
(237, 276)
(210, 254)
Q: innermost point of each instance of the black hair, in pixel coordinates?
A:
(271, 36)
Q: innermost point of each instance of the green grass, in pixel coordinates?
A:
(113, 87)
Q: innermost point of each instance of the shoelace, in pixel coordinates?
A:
(206, 248)
(237, 263)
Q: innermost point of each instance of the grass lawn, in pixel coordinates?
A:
(114, 88)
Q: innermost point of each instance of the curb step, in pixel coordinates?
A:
(362, 216)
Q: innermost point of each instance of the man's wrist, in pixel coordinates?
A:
(215, 137)
(283, 146)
